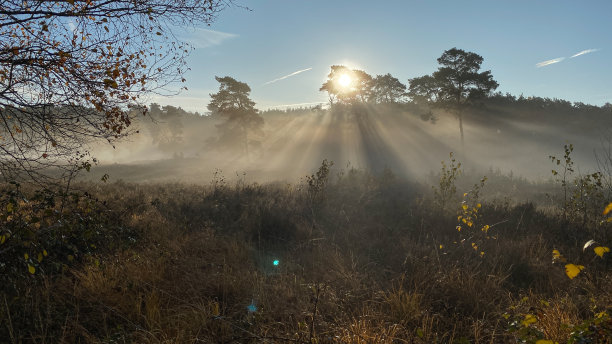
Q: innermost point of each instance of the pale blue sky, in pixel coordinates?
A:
(279, 37)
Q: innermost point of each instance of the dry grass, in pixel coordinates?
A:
(362, 264)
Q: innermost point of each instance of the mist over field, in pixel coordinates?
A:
(408, 139)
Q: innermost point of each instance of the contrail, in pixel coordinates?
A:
(584, 52)
(287, 76)
(549, 62)
(297, 104)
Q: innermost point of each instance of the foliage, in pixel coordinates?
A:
(457, 82)
(71, 71)
(361, 87)
(318, 181)
(359, 268)
(45, 232)
(548, 322)
(582, 195)
(357, 88)
(242, 120)
(446, 188)
(387, 89)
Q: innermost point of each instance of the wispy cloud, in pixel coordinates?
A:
(549, 62)
(588, 51)
(287, 76)
(204, 38)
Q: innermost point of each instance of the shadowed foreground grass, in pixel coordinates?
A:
(361, 259)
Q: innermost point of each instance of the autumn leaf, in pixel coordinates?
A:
(31, 269)
(572, 270)
(600, 250)
(110, 83)
(607, 209)
(557, 256)
(545, 341)
(529, 319)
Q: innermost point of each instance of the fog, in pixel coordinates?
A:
(409, 140)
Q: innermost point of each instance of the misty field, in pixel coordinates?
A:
(342, 256)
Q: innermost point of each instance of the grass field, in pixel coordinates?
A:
(341, 257)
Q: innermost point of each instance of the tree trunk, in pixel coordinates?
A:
(460, 115)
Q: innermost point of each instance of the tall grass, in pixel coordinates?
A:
(361, 258)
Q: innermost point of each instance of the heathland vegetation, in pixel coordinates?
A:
(334, 234)
(341, 256)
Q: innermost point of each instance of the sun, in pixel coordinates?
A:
(344, 80)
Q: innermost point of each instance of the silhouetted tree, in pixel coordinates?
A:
(332, 86)
(361, 85)
(456, 83)
(71, 71)
(387, 89)
(358, 87)
(167, 126)
(232, 103)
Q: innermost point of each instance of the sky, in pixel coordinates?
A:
(283, 49)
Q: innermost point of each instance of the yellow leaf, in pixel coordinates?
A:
(474, 246)
(441, 246)
(465, 194)
(478, 205)
(458, 228)
(607, 209)
(572, 270)
(39, 258)
(26, 256)
(601, 315)
(545, 341)
(482, 253)
(465, 207)
(459, 218)
(215, 310)
(485, 228)
(45, 253)
(557, 256)
(2, 239)
(31, 269)
(529, 319)
(600, 250)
